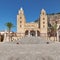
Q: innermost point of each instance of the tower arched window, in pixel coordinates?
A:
(20, 21)
(43, 26)
(43, 18)
(43, 22)
(20, 25)
(43, 13)
(20, 17)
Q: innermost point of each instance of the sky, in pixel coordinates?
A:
(32, 8)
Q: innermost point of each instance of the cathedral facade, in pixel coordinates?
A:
(32, 28)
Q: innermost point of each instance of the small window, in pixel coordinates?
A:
(43, 18)
(20, 21)
(43, 13)
(43, 22)
(20, 17)
(20, 26)
(43, 26)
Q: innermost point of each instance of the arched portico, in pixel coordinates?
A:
(32, 32)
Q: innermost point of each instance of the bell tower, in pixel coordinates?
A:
(43, 23)
(20, 22)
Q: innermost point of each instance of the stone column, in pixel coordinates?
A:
(36, 33)
(58, 35)
(4, 37)
(29, 33)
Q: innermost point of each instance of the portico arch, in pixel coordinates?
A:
(26, 32)
(38, 33)
(32, 32)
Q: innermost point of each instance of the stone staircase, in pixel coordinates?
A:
(30, 48)
(32, 40)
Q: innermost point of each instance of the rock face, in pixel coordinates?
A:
(31, 50)
(54, 18)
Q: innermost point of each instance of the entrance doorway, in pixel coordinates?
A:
(32, 33)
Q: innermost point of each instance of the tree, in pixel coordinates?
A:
(54, 26)
(9, 25)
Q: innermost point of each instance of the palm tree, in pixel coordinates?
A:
(9, 25)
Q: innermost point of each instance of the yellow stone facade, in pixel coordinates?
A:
(32, 28)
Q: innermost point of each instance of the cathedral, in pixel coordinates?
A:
(32, 28)
(39, 28)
